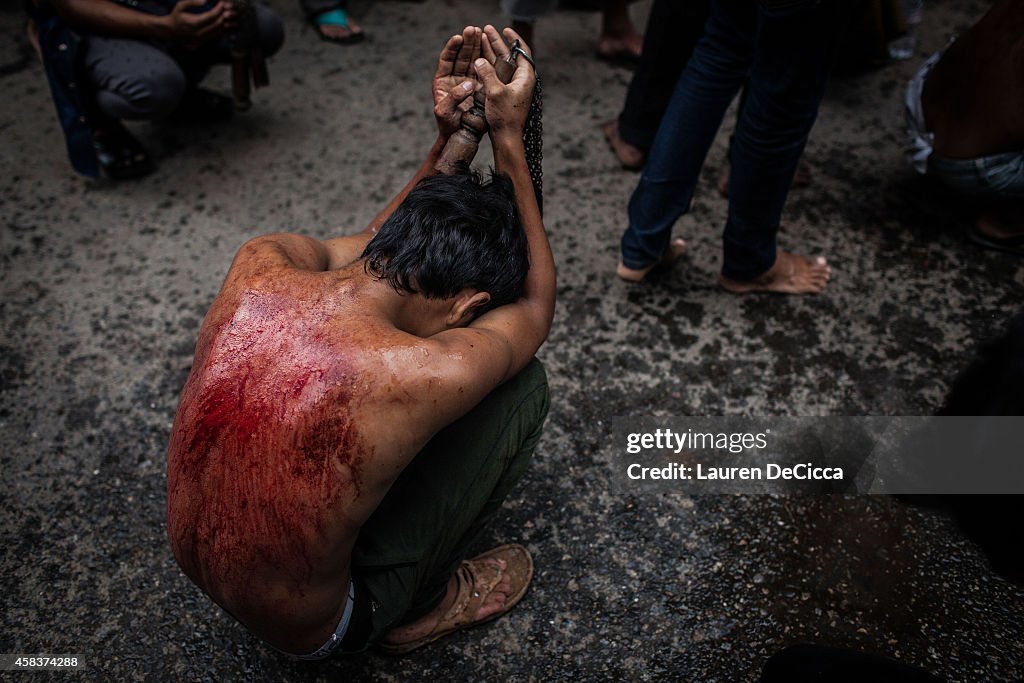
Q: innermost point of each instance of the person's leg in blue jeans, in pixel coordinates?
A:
(793, 54)
(711, 79)
(786, 56)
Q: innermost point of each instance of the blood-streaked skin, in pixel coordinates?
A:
(307, 399)
(265, 455)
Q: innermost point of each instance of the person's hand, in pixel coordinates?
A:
(506, 105)
(453, 82)
(184, 26)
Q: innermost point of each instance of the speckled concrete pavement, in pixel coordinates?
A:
(104, 287)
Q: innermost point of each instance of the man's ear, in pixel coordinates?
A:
(465, 307)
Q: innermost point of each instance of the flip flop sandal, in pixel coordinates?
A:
(199, 105)
(120, 155)
(1011, 245)
(475, 581)
(336, 17)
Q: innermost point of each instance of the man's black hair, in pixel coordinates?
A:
(450, 233)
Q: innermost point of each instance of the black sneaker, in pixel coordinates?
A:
(119, 154)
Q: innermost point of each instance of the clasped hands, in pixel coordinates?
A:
(465, 65)
(186, 25)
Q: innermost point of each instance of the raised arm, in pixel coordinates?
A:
(452, 84)
(509, 336)
(461, 365)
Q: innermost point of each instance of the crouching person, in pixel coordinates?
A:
(108, 61)
(359, 407)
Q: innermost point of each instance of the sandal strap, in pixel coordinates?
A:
(332, 17)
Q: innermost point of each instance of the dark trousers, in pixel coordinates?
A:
(412, 544)
(673, 28)
(784, 57)
(141, 80)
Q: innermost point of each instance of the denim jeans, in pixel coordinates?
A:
(673, 29)
(999, 176)
(784, 57)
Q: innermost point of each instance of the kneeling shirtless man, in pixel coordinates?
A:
(358, 407)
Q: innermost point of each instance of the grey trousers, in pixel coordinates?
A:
(135, 79)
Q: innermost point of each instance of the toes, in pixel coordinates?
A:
(496, 600)
(818, 266)
(504, 585)
(676, 248)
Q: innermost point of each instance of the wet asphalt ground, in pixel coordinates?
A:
(104, 287)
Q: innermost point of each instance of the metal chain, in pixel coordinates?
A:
(533, 143)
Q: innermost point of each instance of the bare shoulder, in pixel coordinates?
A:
(438, 379)
(277, 261)
(276, 253)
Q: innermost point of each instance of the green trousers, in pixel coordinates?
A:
(409, 548)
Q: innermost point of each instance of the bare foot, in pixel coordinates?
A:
(629, 156)
(619, 41)
(1000, 228)
(802, 178)
(1001, 225)
(675, 249)
(791, 274)
(426, 624)
(625, 48)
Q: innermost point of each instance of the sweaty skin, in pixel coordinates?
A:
(274, 460)
(974, 97)
(314, 385)
(973, 103)
(303, 406)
